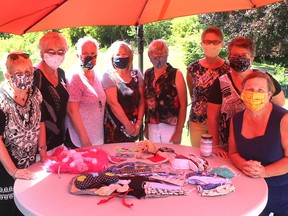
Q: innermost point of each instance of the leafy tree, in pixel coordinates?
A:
(267, 26)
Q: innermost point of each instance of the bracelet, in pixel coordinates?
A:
(42, 148)
(13, 176)
(215, 146)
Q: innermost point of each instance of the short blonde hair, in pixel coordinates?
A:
(159, 45)
(52, 38)
(113, 50)
(10, 62)
(84, 40)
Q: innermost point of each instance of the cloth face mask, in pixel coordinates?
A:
(22, 81)
(120, 63)
(88, 63)
(53, 61)
(211, 50)
(159, 61)
(239, 64)
(254, 100)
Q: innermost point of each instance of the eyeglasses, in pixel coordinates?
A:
(154, 53)
(58, 52)
(214, 42)
(15, 56)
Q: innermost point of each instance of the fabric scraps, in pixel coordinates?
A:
(76, 161)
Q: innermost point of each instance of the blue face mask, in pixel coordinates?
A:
(223, 172)
(120, 63)
(159, 61)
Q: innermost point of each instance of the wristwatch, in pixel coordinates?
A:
(42, 147)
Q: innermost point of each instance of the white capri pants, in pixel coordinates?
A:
(160, 133)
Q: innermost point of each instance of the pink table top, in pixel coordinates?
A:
(48, 195)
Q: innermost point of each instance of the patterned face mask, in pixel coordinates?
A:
(239, 64)
(159, 61)
(254, 100)
(88, 63)
(21, 81)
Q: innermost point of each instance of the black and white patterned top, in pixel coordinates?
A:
(19, 128)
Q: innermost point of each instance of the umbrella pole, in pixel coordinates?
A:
(140, 33)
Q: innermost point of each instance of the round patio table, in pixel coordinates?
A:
(48, 195)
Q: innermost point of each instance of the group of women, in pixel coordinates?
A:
(42, 107)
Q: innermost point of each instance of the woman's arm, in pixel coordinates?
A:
(10, 167)
(112, 101)
(189, 80)
(213, 116)
(76, 120)
(42, 146)
(182, 95)
(236, 159)
(141, 110)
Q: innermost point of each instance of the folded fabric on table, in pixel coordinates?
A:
(218, 191)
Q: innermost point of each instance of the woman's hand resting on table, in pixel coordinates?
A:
(219, 152)
(23, 174)
(254, 169)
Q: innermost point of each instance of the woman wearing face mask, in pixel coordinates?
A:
(258, 141)
(22, 130)
(124, 93)
(166, 97)
(200, 76)
(86, 98)
(224, 96)
(50, 79)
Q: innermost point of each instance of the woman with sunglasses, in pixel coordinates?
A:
(22, 131)
(51, 81)
(87, 99)
(200, 76)
(165, 96)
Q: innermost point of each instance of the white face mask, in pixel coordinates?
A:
(53, 61)
(211, 50)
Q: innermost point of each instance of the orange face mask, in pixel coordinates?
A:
(254, 100)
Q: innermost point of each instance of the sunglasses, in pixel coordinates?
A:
(15, 56)
(58, 52)
(214, 42)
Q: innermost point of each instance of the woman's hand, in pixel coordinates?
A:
(176, 137)
(130, 129)
(23, 174)
(254, 169)
(219, 152)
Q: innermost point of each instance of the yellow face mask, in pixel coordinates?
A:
(254, 100)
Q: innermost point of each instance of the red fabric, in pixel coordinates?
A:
(77, 161)
(156, 158)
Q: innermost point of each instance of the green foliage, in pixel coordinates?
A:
(157, 30)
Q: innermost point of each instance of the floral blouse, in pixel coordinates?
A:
(161, 98)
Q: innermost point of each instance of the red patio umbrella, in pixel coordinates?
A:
(21, 16)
